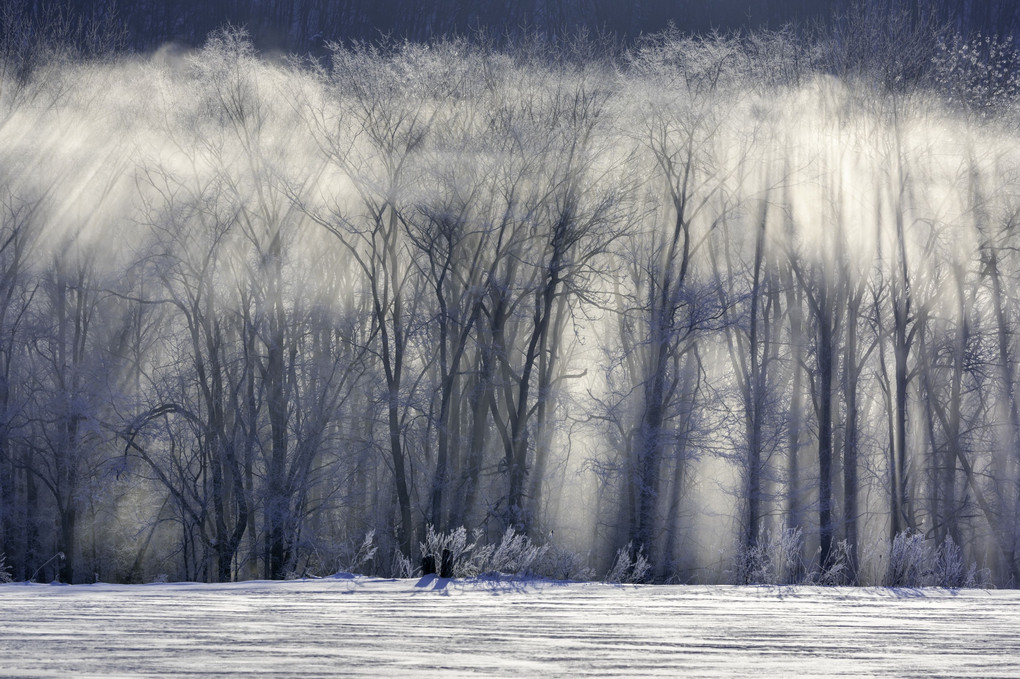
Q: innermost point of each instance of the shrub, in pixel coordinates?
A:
(5, 571)
(562, 564)
(775, 559)
(949, 569)
(629, 566)
(452, 555)
(352, 556)
(916, 562)
(514, 555)
(908, 560)
(839, 570)
(441, 551)
(363, 554)
(402, 567)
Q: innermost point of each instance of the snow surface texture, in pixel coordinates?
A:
(357, 626)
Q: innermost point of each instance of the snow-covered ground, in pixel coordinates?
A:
(356, 626)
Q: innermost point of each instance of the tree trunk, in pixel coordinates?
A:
(825, 354)
(851, 511)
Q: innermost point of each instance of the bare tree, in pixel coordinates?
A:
(371, 132)
(673, 301)
(566, 222)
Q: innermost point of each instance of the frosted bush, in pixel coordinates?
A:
(479, 559)
(515, 555)
(952, 571)
(909, 559)
(441, 551)
(949, 569)
(916, 562)
(402, 567)
(839, 569)
(453, 555)
(775, 559)
(5, 571)
(354, 559)
(628, 566)
(752, 565)
(561, 564)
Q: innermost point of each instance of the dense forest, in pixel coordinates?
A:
(734, 307)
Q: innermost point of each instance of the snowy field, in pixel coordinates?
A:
(355, 626)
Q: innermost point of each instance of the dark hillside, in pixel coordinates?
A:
(304, 25)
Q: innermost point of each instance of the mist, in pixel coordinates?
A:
(709, 311)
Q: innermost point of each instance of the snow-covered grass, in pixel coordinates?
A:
(359, 626)
(5, 571)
